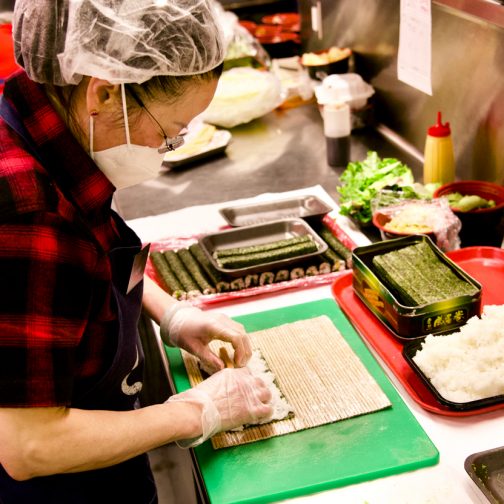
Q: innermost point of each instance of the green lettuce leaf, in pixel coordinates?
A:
(361, 181)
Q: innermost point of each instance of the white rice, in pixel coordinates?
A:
(258, 367)
(467, 365)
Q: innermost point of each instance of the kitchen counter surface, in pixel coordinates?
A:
(281, 151)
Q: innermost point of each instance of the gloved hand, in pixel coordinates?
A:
(190, 328)
(229, 399)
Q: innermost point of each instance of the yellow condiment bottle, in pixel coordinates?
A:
(439, 163)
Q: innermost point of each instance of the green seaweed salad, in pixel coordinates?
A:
(362, 180)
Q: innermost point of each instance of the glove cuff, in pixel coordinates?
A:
(210, 416)
(167, 334)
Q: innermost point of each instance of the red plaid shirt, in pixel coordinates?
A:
(57, 323)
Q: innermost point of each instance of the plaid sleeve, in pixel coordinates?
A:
(46, 290)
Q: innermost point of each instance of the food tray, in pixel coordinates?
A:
(310, 208)
(256, 235)
(485, 264)
(255, 289)
(486, 469)
(217, 145)
(410, 322)
(409, 352)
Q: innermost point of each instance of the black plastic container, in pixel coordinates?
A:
(410, 350)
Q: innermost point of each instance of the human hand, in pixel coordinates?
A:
(230, 398)
(192, 329)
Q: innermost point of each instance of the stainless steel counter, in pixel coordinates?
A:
(281, 151)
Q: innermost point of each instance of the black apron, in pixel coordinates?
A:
(117, 390)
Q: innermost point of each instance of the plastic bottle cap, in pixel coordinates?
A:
(439, 129)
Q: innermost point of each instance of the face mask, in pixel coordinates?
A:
(126, 165)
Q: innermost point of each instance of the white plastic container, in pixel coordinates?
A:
(344, 88)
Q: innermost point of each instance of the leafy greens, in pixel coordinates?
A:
(362, 180)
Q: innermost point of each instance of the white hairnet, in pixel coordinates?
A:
(130, 41)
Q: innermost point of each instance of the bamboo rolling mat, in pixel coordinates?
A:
(317, 372)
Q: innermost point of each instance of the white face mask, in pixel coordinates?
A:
(128, 164)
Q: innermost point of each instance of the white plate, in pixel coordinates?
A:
(218, 143)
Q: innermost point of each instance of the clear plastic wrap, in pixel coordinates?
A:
(396, 215)
(306, 281)
(243, 94)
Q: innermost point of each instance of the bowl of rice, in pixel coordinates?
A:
(464, 370)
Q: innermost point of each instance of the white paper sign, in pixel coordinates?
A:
(415, 45)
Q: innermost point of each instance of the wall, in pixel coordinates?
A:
(467, 73)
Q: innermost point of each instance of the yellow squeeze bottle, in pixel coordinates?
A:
(439, 163)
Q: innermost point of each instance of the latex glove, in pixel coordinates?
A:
(190, 328)
(229, 399)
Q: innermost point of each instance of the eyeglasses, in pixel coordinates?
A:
(171, 143)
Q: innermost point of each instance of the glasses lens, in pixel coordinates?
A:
(170, 144)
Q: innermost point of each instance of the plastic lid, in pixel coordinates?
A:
(343, 88)
(439, 129)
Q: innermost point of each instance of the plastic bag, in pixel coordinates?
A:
(243, 94)
(401, 216)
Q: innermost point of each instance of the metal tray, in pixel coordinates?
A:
(410, 350)
(257, 235)
(310, 208)
(486, 469)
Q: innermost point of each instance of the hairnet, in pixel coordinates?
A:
(59, 41)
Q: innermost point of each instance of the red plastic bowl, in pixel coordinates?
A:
(380, 220)
(290, 21)
(482, 226)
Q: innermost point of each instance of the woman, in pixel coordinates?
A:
(108, 87)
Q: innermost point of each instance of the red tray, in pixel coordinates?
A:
(485, 264)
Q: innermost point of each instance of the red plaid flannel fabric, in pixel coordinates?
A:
(57, 322)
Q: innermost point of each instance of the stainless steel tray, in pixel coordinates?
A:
(305, 207)
(257, 235)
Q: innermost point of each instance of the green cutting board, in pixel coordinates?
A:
(334, 455)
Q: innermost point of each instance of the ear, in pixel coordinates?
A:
(100, 94)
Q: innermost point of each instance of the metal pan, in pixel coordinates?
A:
(486, 469)
(310, 208)
(258, 235)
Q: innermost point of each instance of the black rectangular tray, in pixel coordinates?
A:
(257, 235)
(410, 350)
(486, 469)
(310, 208)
